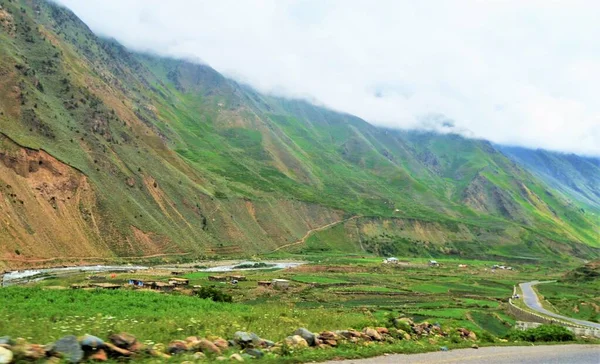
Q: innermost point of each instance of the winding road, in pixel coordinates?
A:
(532, 301)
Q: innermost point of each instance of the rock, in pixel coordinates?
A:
(68, 347)
(29, 351)
(91, 342)
(199, 356)
(255, 353)
(221, 343)
(99, 355)
(407, 336)
(243, 339)
(382, 330)
(256, 340)
(122, 340)
(6, 356)
(117, 351)
(328, 335)
(330, 342)
(192, 339)
(306, 335)
(220, 358)
(296, 342)
(372, 333)
(53, 360)
(475, 346)
(472, 336)
(208, 347)
(268, 343)
(236, 357)
(6, 340)
(158, 354)
(444, 348)
(177, 347)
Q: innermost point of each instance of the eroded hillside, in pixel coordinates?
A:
(111, 153)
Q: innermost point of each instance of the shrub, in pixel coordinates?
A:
(542, 333)
(214, 294)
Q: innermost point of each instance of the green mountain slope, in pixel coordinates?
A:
(571, 174)
(110, 153)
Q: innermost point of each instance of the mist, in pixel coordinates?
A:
(513, 72)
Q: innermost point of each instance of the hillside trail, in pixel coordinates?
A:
(311, 231)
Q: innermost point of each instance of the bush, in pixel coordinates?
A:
(214, 294)
(542, 333)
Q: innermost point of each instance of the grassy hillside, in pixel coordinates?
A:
(110, 153)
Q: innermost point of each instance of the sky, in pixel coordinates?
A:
(514, 72)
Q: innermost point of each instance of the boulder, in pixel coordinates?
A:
(475, 346)
(242, 338)
(255, 353)
(6, 340)
(208, 347)
(328, 335)
(199, 356)
(382, 330)
(330, 342)
(99, 355)
(177, 347)
(221, 343)
(306, 335)
(116, 351)
(372, 333)
(91, 342)
(122, 340)
(236, 357)
(68, 347)
(472, 336)
(296, 342)
(25, 350)
(6, 356)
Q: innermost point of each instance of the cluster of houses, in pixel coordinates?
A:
(394, 260)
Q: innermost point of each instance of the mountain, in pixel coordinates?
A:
(573, 175)
(110, 153)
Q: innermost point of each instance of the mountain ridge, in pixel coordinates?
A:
(180, 159)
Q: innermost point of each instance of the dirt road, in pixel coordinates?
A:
(555, 354)
(310, 232)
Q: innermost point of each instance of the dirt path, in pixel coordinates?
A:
(311, 231)
(580, 354)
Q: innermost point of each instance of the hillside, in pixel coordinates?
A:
(571, 174)
(109, 153)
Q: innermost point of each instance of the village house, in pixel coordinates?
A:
(391, 260)
(282, 284)
(433, 263)
(179, 281)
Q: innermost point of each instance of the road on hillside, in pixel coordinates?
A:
(532, 301)
(555, 354)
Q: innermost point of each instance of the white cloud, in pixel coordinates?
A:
(516, 72)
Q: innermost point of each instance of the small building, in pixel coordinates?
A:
(264, 283)
(162, 286)
(237, 278)
(179, 281)
(136, 282)
(433, 263)
(280, 284)
(105, 285)
(217, 278)
(391, 260)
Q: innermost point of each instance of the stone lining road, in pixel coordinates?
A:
(555, 354)
(531, 300)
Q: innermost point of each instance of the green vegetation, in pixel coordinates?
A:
(168, 157)
(546, 333)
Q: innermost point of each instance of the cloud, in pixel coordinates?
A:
(514, 72)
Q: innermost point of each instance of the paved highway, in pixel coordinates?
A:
(548, 354)
(531, 299)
